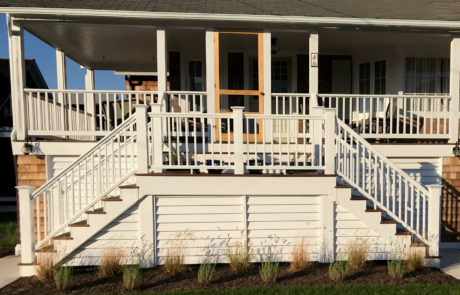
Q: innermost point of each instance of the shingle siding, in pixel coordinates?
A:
(382, 9)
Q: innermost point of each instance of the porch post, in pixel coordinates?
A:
(313, 70)
(330, 148)
(18, 76)
(454, 88)
(26, 224)
(161, 64)
(267, 57)
(434, 219)
(142, 139)
(61, 85)
(90, 105)
(317, 136)
(238, 139)
(327, 229)
(210, 84)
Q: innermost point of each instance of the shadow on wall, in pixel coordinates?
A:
(450, 217)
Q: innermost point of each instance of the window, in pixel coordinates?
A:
(195, 75)
(280, 72)
(365, 78)
(380, 80)
(427, 75)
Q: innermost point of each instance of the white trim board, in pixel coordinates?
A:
(59, 13)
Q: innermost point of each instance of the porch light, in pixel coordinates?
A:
(27, 148)
(456, 150)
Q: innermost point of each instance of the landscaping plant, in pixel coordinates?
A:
(357, 256)
(110, 263)
(206, 272)
(269, 271)
(132, 277)
(45, 268)
(338, 270)
(300, 257)
(63, 278)
(414, 261)
(396, 268)
(174, 261)
(238, 257)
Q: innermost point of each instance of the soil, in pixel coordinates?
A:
(5, 251)
(86, 280)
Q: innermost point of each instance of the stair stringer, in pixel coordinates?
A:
(380, 238)
(96, 223)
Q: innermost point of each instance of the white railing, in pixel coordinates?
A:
(290, 103)
(239, 141)
(64, 113)
(392, 116)
(384, 184)
(81, 186)
(186, 101)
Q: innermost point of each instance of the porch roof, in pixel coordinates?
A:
(441, 10)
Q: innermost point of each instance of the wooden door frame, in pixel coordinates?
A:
(219, 91)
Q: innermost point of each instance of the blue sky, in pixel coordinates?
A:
(45, 56)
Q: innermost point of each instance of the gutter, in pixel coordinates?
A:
(59, 13)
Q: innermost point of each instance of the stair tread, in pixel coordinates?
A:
(402, 232)
(64, 236)
(388, 221)
(371, 209)
(46, 249)
(129, 186)
(96, 211)
(83, 223)
(343, 186)
(357, 198)
(112, 199)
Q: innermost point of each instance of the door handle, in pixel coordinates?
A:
(262, 93)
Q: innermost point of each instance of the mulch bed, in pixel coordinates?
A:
(87, 282)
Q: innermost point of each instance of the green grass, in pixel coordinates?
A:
(418, 289)
(8, 229)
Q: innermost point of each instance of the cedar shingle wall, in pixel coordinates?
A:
(31, 170)
(451, 200)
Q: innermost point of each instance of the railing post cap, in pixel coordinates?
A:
(434, 186)
(237, 108)
(141, 106)
(25, 187)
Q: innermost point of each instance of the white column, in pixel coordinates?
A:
(267, 56)
(454, 88)
(210, 83)
(317, 136)
(18, 77)
(147, 236)
(61, 70)
(162, 62)
(434, 219)
(330, 147)
(142, 139)
(238, 139)
(327, 229)
(90, 104)
(313, 64)
(26, 224)
(157, 145)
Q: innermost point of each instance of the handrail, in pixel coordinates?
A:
(400, 214)
(380, 95)
(91, 91)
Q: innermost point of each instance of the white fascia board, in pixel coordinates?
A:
(59, 13)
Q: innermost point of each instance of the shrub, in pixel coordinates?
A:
(338, 270)
(8, 234)
(300, 257)
(357, 256)
(269, 271)
(396, 268)
(206, 272)
(238, 257)
(63, 278)
(174, 261)
(110, 263)
(132, 277)
(414, 261)
(45, 268)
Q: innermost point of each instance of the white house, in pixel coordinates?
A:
(253, 122)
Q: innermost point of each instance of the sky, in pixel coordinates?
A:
(45, 56)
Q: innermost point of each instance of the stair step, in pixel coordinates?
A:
(388, 221)
(128, 186)
(371, 209)
(111, 199)
(64, 236)
(402, 232)
(96, 211)
(47, 249)
(343, 186)
(83, 223)
(356, 198)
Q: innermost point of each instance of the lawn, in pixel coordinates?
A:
(418, 289)
(8, 233)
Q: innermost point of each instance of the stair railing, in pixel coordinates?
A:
(387, 186)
